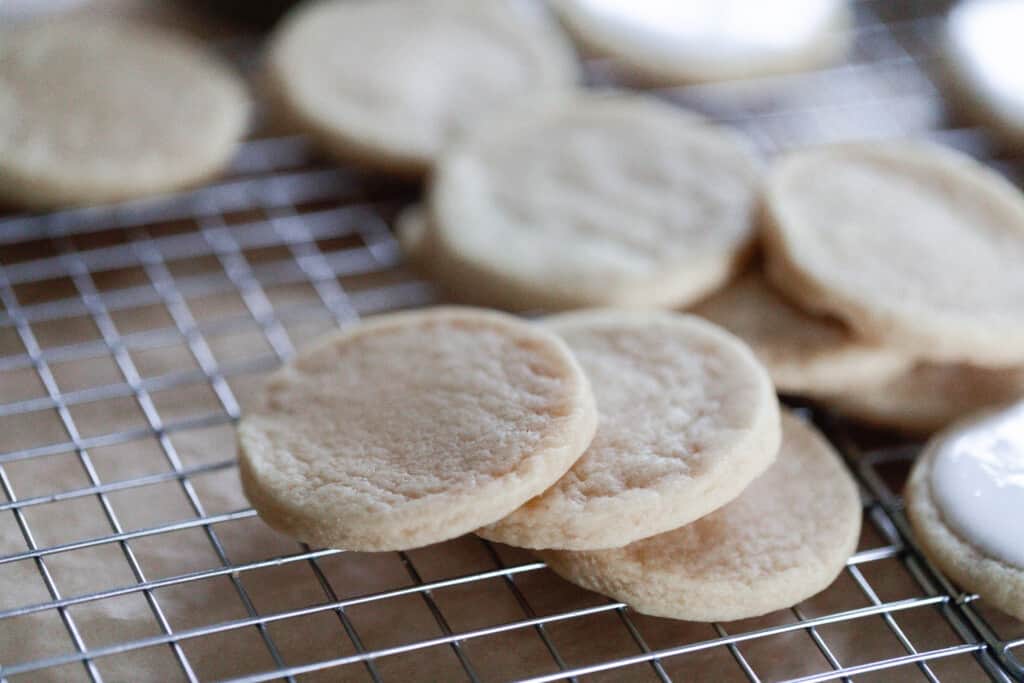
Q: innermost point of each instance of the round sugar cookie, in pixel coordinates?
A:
(99, 110)
(804, 353)
(967, 521)
(784, 539)
(687, 419)
(414, 428)
(389, 83)
(912, 244)
(594, 200)
(929, 397)
(983, 54)
(691, 41)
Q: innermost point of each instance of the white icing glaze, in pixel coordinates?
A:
(978, 484)
(985, 39)
(721, 30)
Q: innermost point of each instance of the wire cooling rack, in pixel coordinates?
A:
(130, 334)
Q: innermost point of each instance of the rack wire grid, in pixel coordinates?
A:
(130, 336)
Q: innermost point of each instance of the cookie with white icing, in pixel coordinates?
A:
(983, 62)
(965, 499)
(691, 41)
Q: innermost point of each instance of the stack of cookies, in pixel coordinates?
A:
(640, 453)
(639, 450)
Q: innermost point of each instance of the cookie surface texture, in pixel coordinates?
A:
(692, 41)
(687, 418)
(594, 200)
(804, 353)
(929, 397)
(413, 428)
(783, 540)
(390, 82)
(912, 244)
(92, 111)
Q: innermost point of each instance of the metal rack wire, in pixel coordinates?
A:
(107, 285)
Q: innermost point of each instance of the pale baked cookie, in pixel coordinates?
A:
(804, 353)
(929, 397)
(594, 200)
(688, 418)
(687, 41)
(983, 55)
(97, 110)
(965, 498)
(389, 82)
(912, 244)
(414, 428)
(786, 537)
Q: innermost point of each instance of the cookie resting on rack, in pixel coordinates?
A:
(784, 539)
(389, 83)
(913, 245)
(688, 418)
(592, 200)
(98, 110)
(414, 428)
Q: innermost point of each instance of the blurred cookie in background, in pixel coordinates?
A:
(600, 199)
(99, 110)
(389, 83)
(804, 353)
(911, 244)
(689, 41)
(929, 397)
(985, 62)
